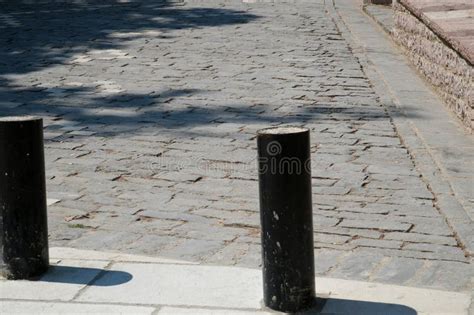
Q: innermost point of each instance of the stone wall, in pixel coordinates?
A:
(442, 66)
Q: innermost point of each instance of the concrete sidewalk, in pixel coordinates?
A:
(98, 282)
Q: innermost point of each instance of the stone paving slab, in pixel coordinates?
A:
(151, 109)
(148, 286)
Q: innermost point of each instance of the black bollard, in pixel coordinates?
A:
(23, 221)
(286, 218)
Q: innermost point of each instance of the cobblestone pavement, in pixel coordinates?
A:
(151, 110)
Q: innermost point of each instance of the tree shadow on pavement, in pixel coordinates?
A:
(81, 109)
(37, 35)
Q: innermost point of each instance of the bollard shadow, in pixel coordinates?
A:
(332, 306)
(85, 276)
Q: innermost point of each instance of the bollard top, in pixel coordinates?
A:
(19, 118)
(19, 128)
(282, 130)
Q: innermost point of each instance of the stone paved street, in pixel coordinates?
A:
(151, 110)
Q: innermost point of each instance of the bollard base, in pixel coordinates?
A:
(297, 302)
(22, 268)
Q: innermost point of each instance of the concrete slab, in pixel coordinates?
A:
(28, 307)
(61, 283)
(212, 286)
(355, 297)
(382, 14)
(146, 287)
(205, 311)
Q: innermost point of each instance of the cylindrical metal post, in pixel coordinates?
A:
(23, 220)
(286, 218)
